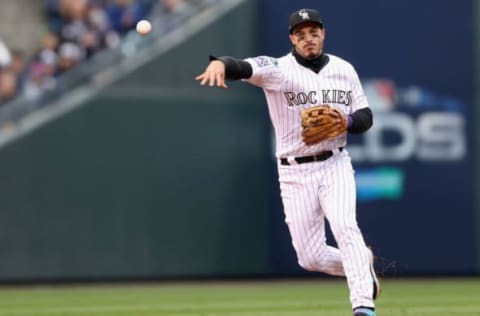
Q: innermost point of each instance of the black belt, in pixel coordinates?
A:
(324, 155)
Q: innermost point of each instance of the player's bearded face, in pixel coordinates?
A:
(308, 40)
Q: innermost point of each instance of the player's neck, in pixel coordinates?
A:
(315, 63)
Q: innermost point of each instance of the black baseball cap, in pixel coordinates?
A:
(302, 16)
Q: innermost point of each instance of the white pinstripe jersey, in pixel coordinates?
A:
(290, 87)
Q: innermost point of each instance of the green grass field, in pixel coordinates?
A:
(284, 298)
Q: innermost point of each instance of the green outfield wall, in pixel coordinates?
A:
(155, 177)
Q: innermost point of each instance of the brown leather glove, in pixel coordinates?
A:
(321, 123)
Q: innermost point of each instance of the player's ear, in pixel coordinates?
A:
(292, 39)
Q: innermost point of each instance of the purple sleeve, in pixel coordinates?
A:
(349, 121)
(360, 121)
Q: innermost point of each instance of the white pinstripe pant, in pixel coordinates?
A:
(312, 192)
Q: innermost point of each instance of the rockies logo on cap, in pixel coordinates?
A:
(302, 16)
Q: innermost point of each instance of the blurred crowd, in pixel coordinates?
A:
(75, 31)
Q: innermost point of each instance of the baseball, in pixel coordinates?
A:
(144, 27)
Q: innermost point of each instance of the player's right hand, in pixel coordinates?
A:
(214, 74)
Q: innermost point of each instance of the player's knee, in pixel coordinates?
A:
(310, 262)
(309, 266)
(314, 264)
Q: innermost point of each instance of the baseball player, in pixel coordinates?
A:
(314, 100)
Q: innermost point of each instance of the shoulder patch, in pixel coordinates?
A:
(264, 61)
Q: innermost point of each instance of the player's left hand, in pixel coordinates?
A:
(321, 123)
(214, 74)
